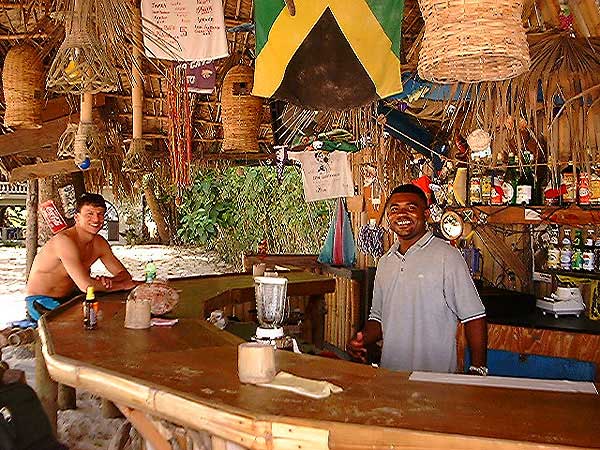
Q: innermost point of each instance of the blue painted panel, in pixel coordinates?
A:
(510, 364)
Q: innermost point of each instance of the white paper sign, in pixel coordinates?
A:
(195, 29)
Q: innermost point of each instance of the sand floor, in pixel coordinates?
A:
(85, 428)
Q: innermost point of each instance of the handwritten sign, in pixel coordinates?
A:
(193, 29)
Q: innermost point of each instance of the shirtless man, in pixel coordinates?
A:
(63, 264)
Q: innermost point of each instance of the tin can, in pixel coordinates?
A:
(584, 188)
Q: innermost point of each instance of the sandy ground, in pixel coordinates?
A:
(84, 428)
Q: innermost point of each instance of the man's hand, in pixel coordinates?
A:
(356, 347)
(107, 282)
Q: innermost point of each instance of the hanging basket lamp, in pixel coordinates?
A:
(241, 111)
(472, 40)
(23, 83)
(80, 64)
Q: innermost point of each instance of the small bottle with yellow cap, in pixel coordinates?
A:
(90, 309)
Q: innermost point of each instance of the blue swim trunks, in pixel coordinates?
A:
(37, 305)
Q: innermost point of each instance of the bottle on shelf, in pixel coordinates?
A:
(475, 186)
(90, 309)
(566, 252)
(597, 252)
(583, 188)
(150, 271)
(496, 180)
(588, 252)
(487, 180)
(553, 261)
(577, 251)
(595, 185)
(568, 183)
(510, 181)
(525, 181)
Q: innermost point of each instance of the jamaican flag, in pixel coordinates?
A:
(332, 54)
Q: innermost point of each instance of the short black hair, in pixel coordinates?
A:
(410, 189)
(88, 198)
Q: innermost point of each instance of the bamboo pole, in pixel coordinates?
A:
(146, 428)
(137, 91)
(67, 397)
(45, 387)
(31, 239)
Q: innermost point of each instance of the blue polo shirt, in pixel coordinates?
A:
(419, 298)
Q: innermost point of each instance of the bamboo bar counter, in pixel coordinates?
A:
(187, 374)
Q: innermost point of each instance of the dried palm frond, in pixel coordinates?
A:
(555, 103)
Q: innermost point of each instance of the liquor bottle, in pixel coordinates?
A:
(566, 251)
(588, 252)
(597, 253)
(487, 180)
(475, 187)
(577, 255)
(510, 181)
(150, 271)
(568, 182)
(497, 179)
(553, 262)
(583, 188)
(595, 185)
(90, 309)
(525, 182)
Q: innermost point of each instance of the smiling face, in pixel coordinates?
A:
(407, 216)
(90, 218)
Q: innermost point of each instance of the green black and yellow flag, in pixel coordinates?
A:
(332, 54)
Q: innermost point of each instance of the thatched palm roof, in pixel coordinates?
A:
(31, 21)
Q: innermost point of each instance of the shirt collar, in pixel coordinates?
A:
(421, 243)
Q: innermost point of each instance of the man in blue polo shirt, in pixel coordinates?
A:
(422, 289)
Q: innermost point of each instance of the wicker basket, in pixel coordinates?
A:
(241, 112)
(23, 82)
(472, 41)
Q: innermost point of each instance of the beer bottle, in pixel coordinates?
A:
(511, 178)
(588, 252)
(577, 255)
(90, 309)
(566, 252)
(553, 262)
(150, 271)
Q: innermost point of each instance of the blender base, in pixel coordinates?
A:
(268, 333)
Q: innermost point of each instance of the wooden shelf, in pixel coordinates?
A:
(576, 274)
(572, 215)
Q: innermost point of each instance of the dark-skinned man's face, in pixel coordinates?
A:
(407, 215)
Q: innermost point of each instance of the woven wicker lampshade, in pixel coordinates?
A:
(23, 83)
(472, 40)
(241, 112)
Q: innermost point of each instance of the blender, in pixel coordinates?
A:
(272, 310)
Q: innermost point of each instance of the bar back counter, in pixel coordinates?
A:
(187, 375)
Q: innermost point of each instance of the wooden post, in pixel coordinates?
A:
(46, 388)
(78, 183)
(109, 410)
(31, 238)
(67, 397)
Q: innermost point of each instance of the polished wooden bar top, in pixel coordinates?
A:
(377, 408)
